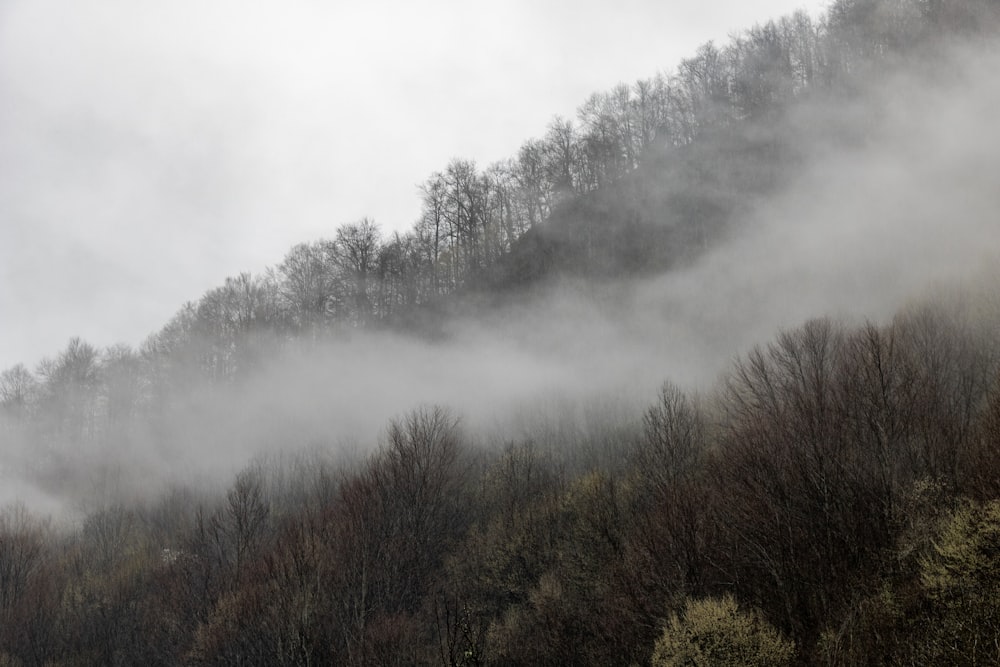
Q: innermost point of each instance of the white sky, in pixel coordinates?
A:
(150, 149)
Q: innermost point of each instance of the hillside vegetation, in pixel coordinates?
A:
(832, 498)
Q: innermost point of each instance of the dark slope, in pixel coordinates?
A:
(673, 207)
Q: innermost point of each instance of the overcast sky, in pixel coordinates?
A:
(150, 149)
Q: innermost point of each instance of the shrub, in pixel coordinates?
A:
(714, 631)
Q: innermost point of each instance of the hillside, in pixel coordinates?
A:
(710, 373)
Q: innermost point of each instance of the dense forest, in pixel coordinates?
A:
(820, 491)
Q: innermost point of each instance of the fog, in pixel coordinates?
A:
(905, 209)
(860, 232)
(866, 227)
(149, 149)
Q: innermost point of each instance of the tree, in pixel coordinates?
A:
(715, 632)
(763, 74)
(560, 150)
(651, 113)
(69, 390)
(311, 285)
(959, 580)
(797, 507)
(465, 213)
(941, 605)
(955, 368)
(667, 547)
(22, 554)
(357, 247)
(703, 87)
(533, 186)
(18, 391)
(124, 377)
(673, 444)
(397, 279)
(417, 477)
(237, 530)
(17, 386)
(432, 222)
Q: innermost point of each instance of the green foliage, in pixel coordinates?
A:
(960, 589)
(716, 632)
(944, 609)
(966, 553)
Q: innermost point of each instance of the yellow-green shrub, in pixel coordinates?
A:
(716, 632)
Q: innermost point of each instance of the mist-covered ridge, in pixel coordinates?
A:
(807, 168)
(709, 373)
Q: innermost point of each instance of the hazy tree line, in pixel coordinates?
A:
(473, 220)
(832, 501)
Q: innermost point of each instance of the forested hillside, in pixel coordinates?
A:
(446, 446)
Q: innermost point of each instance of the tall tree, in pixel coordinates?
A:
(357, 256)
(311, 285)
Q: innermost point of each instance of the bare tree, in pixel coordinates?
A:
(69, 389)
(357, 255)
(22, 553)
(311, 284)
(18, 391)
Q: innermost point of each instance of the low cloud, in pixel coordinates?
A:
(865, 227)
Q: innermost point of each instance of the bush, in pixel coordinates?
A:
(715, 632)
